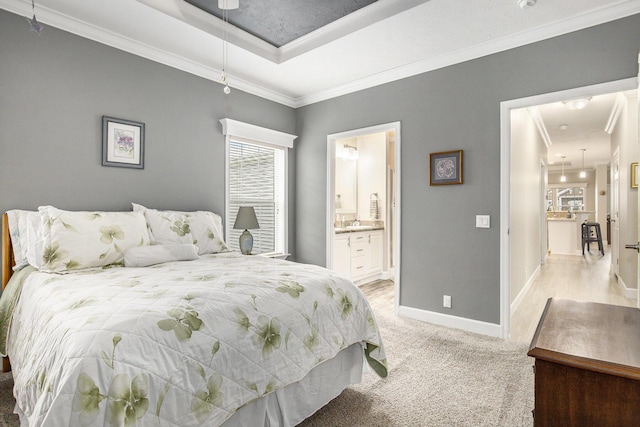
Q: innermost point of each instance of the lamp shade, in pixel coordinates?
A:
(246, 219)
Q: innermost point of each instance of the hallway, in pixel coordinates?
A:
(571, 277)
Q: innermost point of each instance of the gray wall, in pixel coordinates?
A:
(452, 108)
(54, 90)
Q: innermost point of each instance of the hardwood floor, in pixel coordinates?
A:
(562, 276)
(572, 277)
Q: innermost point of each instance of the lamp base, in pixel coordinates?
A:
(246, 242)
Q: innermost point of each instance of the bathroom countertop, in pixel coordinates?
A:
(341, 230)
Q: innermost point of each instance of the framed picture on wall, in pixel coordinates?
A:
(634, 175)
(122, 143)
(445, 168)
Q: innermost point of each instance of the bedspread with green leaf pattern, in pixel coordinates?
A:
(181, 343)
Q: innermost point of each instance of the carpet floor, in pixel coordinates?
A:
(437, 377)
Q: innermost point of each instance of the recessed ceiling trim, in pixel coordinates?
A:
(351, 23)
(202, 20)
(361, 18)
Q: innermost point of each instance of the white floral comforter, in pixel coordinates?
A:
(182, 343)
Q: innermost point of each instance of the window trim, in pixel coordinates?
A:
(252, 134)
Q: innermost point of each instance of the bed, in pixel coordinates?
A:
(218, 338)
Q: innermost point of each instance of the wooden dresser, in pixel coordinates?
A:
(587, 365)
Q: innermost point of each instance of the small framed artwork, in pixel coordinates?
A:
(122, 143)
(445, 168)
(634, 175)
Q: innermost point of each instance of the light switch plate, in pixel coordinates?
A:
(483, 221)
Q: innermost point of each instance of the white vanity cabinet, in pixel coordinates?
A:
(358, 255)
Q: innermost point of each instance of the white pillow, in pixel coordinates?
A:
(143, 256)
(35, 240)
(200, 228)
(18, 232)
(77, 240)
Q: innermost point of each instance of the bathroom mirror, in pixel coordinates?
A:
(346, 186)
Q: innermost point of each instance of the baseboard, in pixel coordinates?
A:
(631, 293)
(450, 321)
(518, 300)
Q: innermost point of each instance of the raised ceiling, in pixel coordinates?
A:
(381, 42)
(283, 21)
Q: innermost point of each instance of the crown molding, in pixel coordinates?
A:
(617, 108)
(83, 29)
(621, 10)
(67, 23)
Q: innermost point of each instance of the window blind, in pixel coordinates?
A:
(257, 178)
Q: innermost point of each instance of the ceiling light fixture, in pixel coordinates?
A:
(226, 5)
(525, 4)
(563, 127)
(36, 27)
(563, 178)
(583, 173)
(577, 104)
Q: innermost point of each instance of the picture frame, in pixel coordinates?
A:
(122, 143)
(634, 175)
(445, 168)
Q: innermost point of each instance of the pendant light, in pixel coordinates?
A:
(583, 173)
(226, 5)
(563, 178)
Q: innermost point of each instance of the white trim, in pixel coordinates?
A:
(534, 112)
(518, 300)
(351, 23)
(616, 110)
(256, 133)
(330, 202)
(252, 133)
(89, 31)
(630, 293)
(450, 321)
(505, 174)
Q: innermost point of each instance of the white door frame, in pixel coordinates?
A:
(331, 155)
(505, 175)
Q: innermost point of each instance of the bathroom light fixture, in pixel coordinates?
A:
(347, 152)
(226, 5)
(577, 104)
(563, 178)
(525, 4)
(583, 173)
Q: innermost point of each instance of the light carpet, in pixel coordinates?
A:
(437, 377)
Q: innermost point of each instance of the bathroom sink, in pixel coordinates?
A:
(359, 227)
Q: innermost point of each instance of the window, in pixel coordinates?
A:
(257, 176)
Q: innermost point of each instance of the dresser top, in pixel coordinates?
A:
(599, 337)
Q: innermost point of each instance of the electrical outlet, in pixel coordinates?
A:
(446, 301)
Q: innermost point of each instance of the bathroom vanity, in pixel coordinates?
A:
(358, 252)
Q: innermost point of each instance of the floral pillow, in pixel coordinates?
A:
(201, 228)
(18, 232)
(78, 240)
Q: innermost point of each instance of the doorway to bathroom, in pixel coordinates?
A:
(363, 204)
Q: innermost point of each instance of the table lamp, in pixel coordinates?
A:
(246, 219)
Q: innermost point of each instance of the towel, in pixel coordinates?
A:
(142, 256)
(373, 207)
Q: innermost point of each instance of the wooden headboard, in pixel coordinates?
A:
(8, 261)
